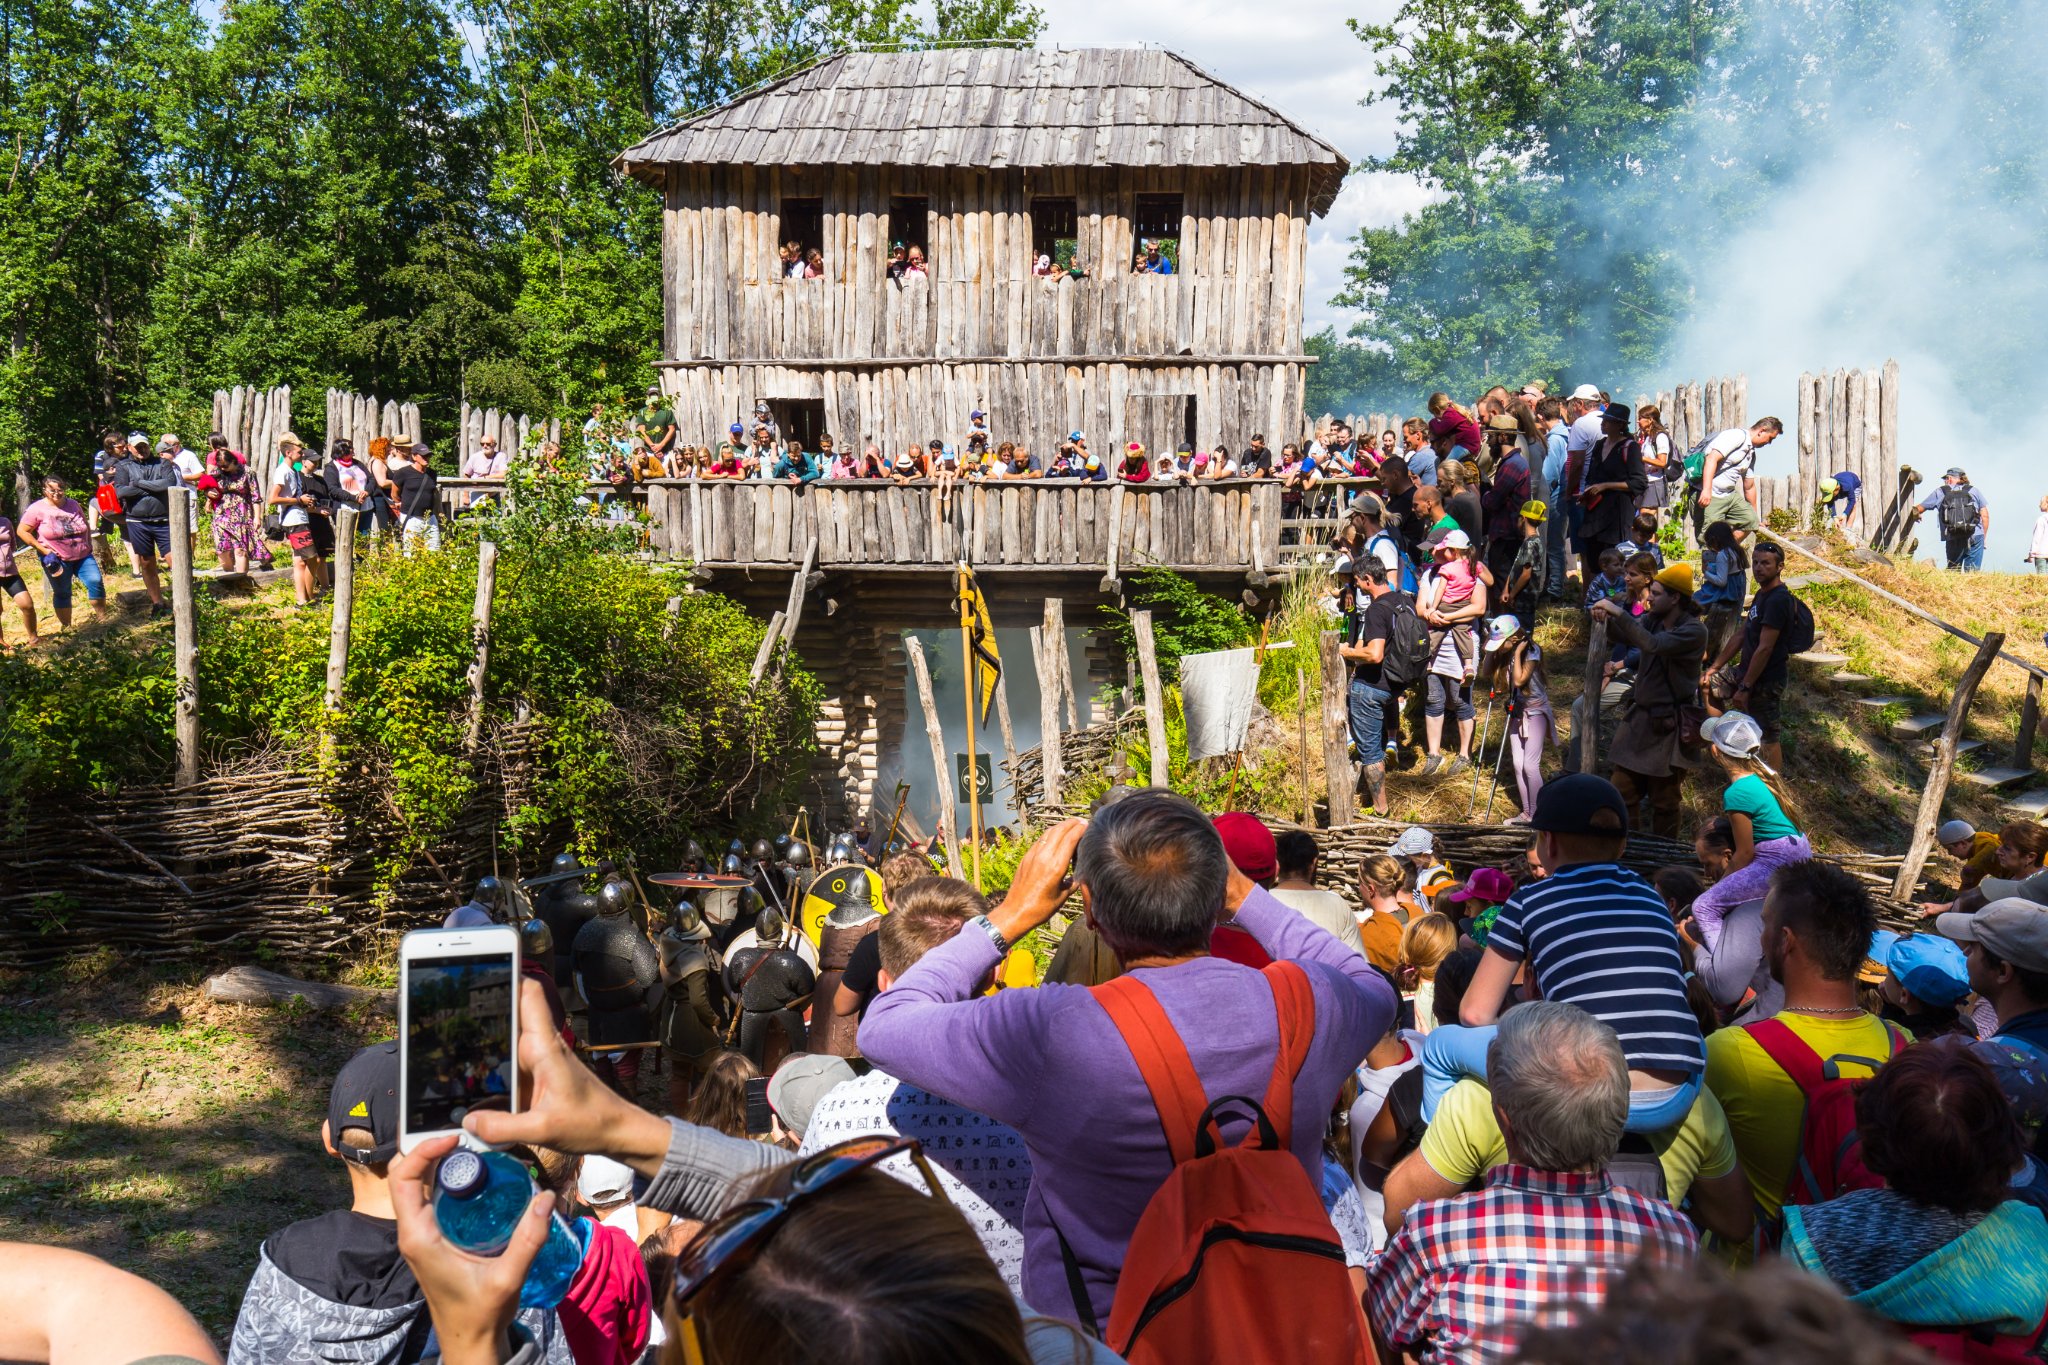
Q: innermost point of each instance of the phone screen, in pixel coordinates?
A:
(760, 1118)
(458, 1043)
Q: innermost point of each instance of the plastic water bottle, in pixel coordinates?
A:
(479, 1198)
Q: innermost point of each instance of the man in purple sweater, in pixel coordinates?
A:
(1154, 881)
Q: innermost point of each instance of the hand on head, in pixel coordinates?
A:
(472, 1298)
(1042, 883)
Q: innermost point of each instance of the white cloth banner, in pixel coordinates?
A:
(1217, 694)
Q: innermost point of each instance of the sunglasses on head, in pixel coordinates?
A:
(730, 1241)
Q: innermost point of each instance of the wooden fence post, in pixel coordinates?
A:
(480, 636)
(1155, 696)
(1009, 737)
(949, 818)
(1301, 727)
(1056, 646)
(344, 604)
(184, 635)
(1337, 778)
(1932, 795)
(1589, 703)
(1048, 663)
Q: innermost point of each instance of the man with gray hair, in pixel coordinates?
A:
(1464, 1278)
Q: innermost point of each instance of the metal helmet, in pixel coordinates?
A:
(761, 851)
(611, 899)
(736, 846)
(797, 856)
(565, 861)
(781, 844)
(536, 941)
(693, 853)
(894, 847)
(769, 926)
(732, 867)
(687, 921)
(489, 893)
(752, 902)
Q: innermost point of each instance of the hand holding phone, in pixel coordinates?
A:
(458, 1026)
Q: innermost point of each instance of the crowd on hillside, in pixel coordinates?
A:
(1489, 1114)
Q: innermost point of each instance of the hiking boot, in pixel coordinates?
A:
(158, 610)
(1430, 765)
(1458, 764)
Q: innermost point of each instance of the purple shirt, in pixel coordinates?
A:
(1049, 1063)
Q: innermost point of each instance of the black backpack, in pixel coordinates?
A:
(1635, 1166)
(1407, 656)
(1799, 635)
(1958, 511)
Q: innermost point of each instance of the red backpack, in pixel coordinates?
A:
(1234, 1232)
(1830, 1152)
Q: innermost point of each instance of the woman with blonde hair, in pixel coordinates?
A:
(720, 1103)
(1656, 444)
(1425, 942)
(1384, 910)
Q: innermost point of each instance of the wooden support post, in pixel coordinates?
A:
(675, 612)
(1589, 703)
(1116, 531)
(1048, 663)
(1009, 737)
(767, 650)
(1301, 725)
(1337, 778)
(480, 635)
(184, 635)
(1932, 795)
(1056, 646)
(344, 604)
(2030, 722)
(794, 612)
(1155, 696)
(949, 818)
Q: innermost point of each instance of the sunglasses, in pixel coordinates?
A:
(731, 1241)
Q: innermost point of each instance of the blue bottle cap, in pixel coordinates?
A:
(462, 1173)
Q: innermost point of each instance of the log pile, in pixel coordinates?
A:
(1084, 754)
(258, 858)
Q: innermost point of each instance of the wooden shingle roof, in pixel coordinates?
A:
(995, 107)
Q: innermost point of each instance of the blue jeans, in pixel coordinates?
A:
(86, 571)
(1553, 552)
(1369, 706)
(1973, 558)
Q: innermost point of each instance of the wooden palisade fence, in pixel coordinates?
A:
(360, 419)
(512, 430)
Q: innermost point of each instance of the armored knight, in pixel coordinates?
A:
(694, 1004)
(618, 974)
(772, 982)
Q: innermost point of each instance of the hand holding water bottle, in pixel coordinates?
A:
(472, 1298)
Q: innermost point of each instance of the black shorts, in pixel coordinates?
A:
(1766, 700)
(12, 586)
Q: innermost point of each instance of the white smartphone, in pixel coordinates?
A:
(458, 1025)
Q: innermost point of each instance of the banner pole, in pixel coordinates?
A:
(971, 673)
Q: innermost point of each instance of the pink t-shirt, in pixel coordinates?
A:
(61, 526)
(1458, 580)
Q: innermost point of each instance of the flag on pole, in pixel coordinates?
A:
(981, 641)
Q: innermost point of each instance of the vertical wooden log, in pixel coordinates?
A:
(1155, 696)
(1888, 436)
(1589, 703)
(1301, 731)
(949, 818)
(1048, 663)
(2030, 723)
(462, 436)
(480, 636)
(1340, 787)
(184, 636)
(344, 604)
(1009, 738)
(1056, 642)
(1936, 790)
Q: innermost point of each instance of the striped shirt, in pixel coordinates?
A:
(1600, 937)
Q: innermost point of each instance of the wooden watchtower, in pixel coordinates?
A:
(986, 160)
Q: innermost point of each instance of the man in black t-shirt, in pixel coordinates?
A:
(1755, 685)
(419, 493)
(1257, 460)
(1370, 702)
(1397, 493)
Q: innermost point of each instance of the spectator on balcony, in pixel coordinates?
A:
(486, 461)
(1154, 261)
(657, 425)
(872, 465)
(648, 464)
(1135, 467)
(729, 463)
(841, 464)
(761, 456)
(911, 464)
(1014, 462)
(597, 438)
(975, 447)
(1257, 460)
(814, 264)
(913, 264)
(898, 261)
(798, 466)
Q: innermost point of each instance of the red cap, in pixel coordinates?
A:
(1250, 845)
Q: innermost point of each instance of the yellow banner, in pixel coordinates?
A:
(981, 641)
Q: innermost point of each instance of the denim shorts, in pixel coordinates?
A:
(150, 539)
(86, 571)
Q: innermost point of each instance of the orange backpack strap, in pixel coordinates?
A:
(1294, 1003)
(1162, 1060)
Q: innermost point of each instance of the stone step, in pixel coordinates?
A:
(1820, 658)
(1806, 580)
(1879, 703)
(1991, 779)
(2033, 804)
(1845, 678)
(1920, 727)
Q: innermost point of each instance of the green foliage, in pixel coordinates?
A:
(1185, 619)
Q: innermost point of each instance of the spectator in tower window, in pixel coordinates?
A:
(1042, 268)
(913, 264)
(1155, 261)
(1135, 467)
(814, 264)
(899, 261)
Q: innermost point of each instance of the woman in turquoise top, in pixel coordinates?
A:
(1765, 836)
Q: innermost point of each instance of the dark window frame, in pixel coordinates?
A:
(1055, 227)
(802, 221)
(909, 225)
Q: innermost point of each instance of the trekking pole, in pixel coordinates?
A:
(1484, 730)
(1507, 730)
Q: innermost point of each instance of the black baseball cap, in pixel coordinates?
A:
(1579, 803)
(365, 1095)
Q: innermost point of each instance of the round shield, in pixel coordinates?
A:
(850, 893)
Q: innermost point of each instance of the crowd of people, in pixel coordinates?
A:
(1480, 1115)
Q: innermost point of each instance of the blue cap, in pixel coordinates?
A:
(1930, 967)
(1075, 436)
(737, 429)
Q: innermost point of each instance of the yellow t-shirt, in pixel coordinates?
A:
(1983, 859)
(1019, 969)
(1764, 1107)
(1464, 1142)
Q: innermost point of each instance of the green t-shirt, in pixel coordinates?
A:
(657, 423)
(1463, 1141)
(1747, 795)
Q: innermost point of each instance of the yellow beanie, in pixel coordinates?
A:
(1677, 577)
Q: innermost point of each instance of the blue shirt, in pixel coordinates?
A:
(1422, 464)
(805, 467)
(1847, 487)
(1932, 502)
(1601, 938)
(1556, 451)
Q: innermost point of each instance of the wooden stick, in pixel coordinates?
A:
(106, 835)
(1009, 735)
(344, 605)
(1056, 642)
(1301, 724)
(794, 612)
(1932, 795)
(1589, 701)
(480, 636)
(184, 634)
(675, 611)
(970, 676)
(767, 649)
(1049, 773)
(2030, 722)
(949, 816)
(1337, 780)
(1155, 696)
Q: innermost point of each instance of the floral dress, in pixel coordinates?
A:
(233, 504)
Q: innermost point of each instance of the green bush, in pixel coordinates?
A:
(1185, 620)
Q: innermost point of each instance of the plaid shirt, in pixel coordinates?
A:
(1464, 1277)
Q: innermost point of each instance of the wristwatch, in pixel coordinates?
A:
(995, 935)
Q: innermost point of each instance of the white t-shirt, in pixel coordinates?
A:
(285, 481)
(1738, 457)
(982, 1164)
(1387, 551)
(749, 939)
(1325, 910)
(1585, 433)
(188, 464)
